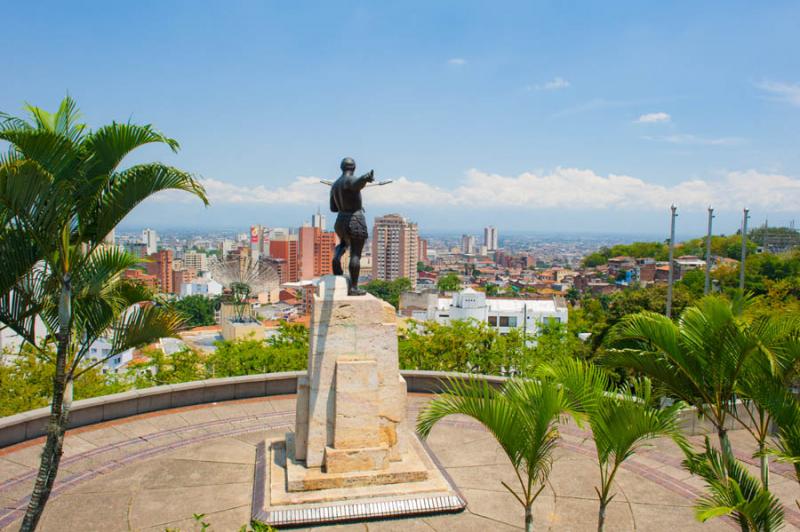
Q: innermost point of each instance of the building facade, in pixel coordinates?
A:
(395, 248)
(286, 249)
(468, 244)
(490, 238)
(150, 240)
(160, 266)
(194, 260)
(501, 313)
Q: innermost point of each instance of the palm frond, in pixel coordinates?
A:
(63, 122)
(108, 145)
(144, 324)
(53, 152)
(126, 189)
(733, 491)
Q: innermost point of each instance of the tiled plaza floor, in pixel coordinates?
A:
(152, 472)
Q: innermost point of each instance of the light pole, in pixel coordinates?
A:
(707, 287)
(745, 216)
(672, 208)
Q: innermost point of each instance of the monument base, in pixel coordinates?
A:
(416, 485)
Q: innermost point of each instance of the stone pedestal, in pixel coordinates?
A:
(351, 441)
(351, 408)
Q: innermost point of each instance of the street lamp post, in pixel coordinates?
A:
(745, 216)
(673, 215)
(707, 287)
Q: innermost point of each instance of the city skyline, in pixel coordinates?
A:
(591, 118)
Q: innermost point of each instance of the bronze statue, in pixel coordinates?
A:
(351, 224)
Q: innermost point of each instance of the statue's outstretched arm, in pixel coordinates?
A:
(362, 181)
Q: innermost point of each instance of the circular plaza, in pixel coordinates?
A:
(155, 466)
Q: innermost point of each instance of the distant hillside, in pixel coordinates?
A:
(721, 246)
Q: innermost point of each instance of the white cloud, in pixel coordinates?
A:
(562, 188)
(652, 118)
(785, 92)
(554, 84)
(457, 61)
(685, 138)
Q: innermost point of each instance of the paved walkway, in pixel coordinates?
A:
(153, 471)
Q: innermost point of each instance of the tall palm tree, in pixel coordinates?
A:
(622, 419)
(733, 492)
(700, 360)
(764, 384)
(61, 192)
(523, 416)
(783, 409)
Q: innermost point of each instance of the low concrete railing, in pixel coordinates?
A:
(33, 424)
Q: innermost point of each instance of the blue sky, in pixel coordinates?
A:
(577, 116)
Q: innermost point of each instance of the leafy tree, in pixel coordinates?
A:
(694, 281)
(491, 289)
(595, 259)
(198, 310)
(389, 290)
(157, 368)
(463, 346)
(557, 341)
(26, 379)
(449, 283)
(422, 267)
(523, 417)
(285, 351)
(61, 193)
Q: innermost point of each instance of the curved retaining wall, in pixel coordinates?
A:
(33, 424)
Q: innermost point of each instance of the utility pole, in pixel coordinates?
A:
(672, 208)
(745, 216)
(707, 287)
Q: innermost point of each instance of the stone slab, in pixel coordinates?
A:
(356, 407)
(361, 459)
(296, 478)
(272, 504)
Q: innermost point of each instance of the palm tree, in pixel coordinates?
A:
(523, 416)
(733, 492)
(61, 192)
(764, 384)
(700, 360)
(622, 419)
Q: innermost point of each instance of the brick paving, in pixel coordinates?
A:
(154, 471)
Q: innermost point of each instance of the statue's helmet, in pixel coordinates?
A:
(348, 164)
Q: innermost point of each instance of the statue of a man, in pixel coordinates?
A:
(351, 224)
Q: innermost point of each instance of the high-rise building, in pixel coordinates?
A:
(194, 260)
(315, 252)
(150, 239)
(160, 265)
(422, 247)
(468, 244)
(256, 233)
(318, 220)
(324, 245)
(395, 248)
(286, 249)
(490, 238)
(305, 252)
